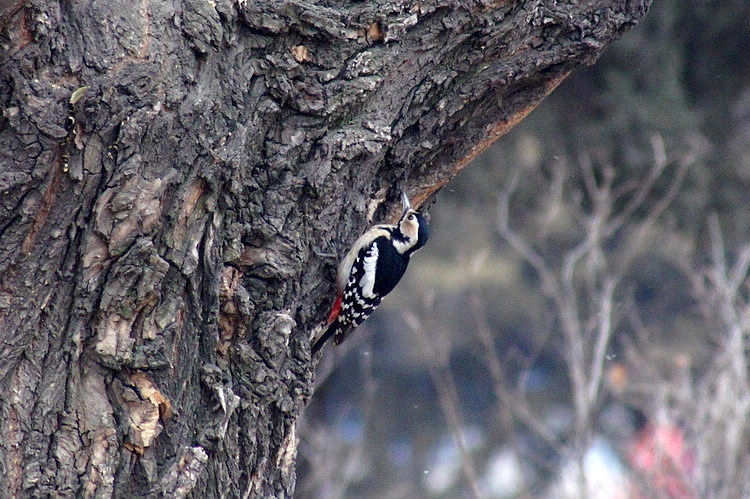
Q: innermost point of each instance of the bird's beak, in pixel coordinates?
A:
(405, 200)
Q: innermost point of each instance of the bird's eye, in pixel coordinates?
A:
(412, 217)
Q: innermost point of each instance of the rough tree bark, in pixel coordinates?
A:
(172, 174)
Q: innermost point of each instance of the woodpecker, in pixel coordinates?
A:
(370, 270)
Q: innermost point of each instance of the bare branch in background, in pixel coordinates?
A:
(549, 282)
(644, 186)
(437, 356)
(602, 339)
(585, 307)
(511, 403)
(721, 404)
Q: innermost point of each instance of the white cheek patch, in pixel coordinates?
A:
(410, 230)
(368, 279)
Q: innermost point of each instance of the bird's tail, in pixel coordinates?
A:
(322, 339)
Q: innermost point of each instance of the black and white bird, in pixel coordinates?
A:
(370, 270)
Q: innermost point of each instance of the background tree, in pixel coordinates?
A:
(172, 176)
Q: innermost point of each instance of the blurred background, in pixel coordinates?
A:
(578, 324)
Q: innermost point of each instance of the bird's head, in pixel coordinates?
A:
(413, 230)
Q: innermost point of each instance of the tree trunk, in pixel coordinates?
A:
(172, 175)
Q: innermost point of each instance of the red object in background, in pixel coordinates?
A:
(662, 456)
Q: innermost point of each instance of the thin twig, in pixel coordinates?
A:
(447, 397)
(604, 333)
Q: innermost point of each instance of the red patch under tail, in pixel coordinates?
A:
(335, 311)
